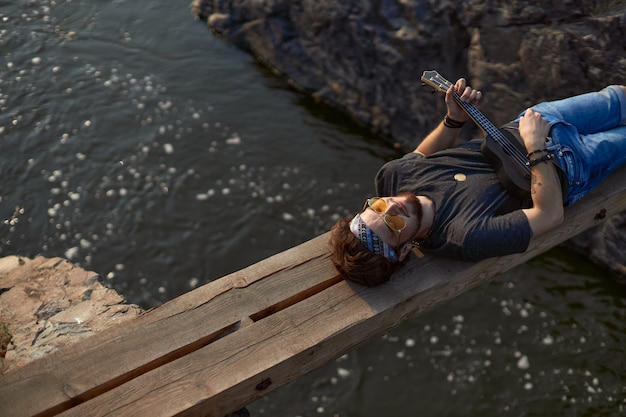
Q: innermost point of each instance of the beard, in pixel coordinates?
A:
(414, 208)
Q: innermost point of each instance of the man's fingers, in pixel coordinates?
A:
(466, 93)
(471, 95)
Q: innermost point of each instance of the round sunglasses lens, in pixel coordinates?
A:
(377, 204)
(395, 222)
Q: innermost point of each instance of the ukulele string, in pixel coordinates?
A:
(495, 134)
(515, 153)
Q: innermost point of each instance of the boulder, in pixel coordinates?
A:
(604, 245)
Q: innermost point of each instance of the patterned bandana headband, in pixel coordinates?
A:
(371, 240)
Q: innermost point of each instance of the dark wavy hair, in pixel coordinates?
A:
(354, 261)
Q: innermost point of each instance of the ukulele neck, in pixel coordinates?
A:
(479, 118)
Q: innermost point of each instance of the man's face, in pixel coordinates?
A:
(403, 208)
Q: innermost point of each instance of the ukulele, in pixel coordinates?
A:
(503, 149)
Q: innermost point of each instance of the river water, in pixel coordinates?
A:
(139, 146)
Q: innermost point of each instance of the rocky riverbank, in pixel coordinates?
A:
(46, 304)
(366, 57)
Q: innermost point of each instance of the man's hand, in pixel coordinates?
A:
(441, 137)
(534, 129)
(468, 95)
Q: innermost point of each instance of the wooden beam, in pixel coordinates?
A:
(227, 343)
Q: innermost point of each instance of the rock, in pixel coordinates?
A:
(46, 304)
(366, 57)
(604, 245)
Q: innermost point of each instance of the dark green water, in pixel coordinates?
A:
(140, 147)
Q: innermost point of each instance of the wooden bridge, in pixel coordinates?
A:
(227, 343)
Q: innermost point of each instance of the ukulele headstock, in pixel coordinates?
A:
(435, 80)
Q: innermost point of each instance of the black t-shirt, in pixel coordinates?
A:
(475, 217)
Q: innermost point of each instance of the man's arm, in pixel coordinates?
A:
(443, 137)
(547, 210)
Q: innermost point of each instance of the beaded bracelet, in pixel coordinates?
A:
(451, 123)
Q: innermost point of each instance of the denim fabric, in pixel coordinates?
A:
(588, 137)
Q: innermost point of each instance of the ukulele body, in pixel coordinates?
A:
(515, 177)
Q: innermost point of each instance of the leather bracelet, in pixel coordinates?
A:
(545, 158)
(451, 123)
(536, 151)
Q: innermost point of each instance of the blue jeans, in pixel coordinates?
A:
(588, 137)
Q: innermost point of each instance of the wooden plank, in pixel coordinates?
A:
(218, 347)
(250, 356)
(312, 333)
(86, 369)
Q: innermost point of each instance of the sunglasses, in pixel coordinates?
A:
(393, 221)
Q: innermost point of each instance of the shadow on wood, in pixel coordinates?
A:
(219, 347)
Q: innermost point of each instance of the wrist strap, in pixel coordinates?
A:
(548, 156)
(536, 151)
(451, 123)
